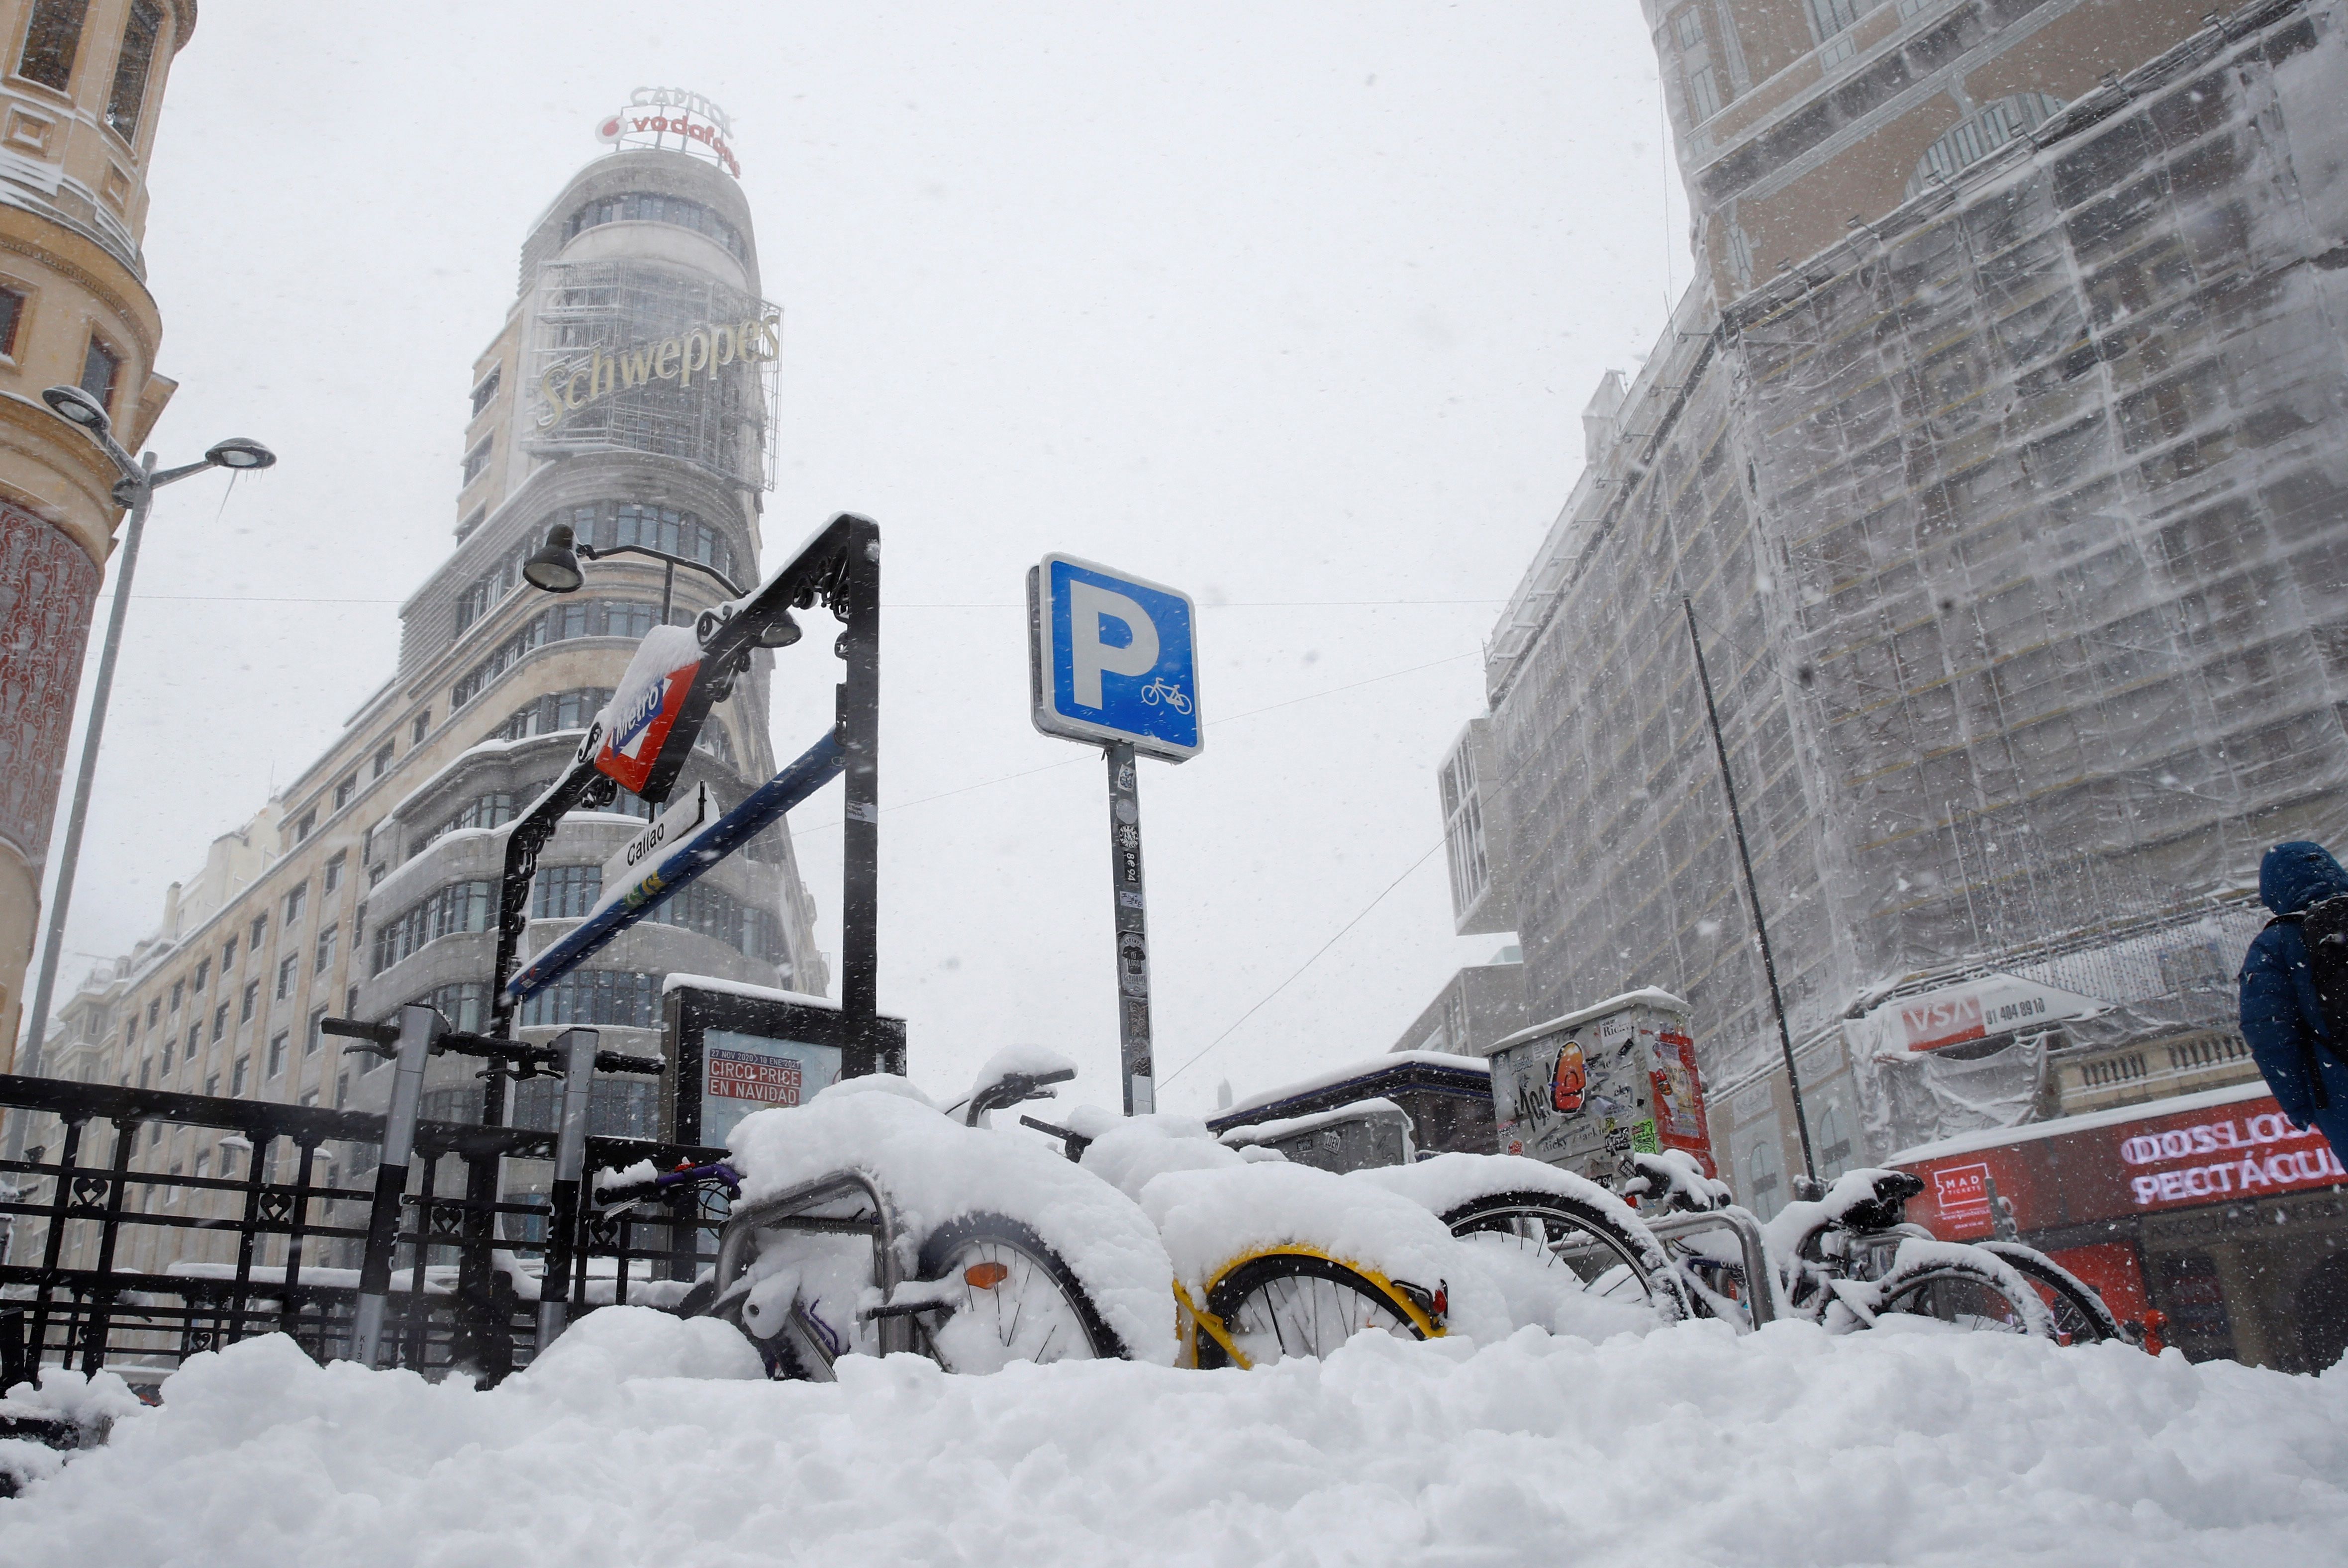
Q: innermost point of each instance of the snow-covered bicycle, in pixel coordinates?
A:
(1849, 1259)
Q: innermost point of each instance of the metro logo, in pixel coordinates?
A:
(639, 720)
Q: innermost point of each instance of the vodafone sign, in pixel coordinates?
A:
(654, 114)
(2225, 1149)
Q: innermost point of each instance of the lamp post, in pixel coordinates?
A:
(136, 489)
(554, 567)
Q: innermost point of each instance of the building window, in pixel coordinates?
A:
(554, 713)
(654, 207)
(154, 1011)
(1463, 828)
(130, 68)
(564, 893)
(252, 997)
(307, 825)
(344, 791)
(317, 1035)
(382, 763)
(1972, 140)
(236, 1076)
(228, 956)
(1764, 1176)
(1704, 95)
(220, 1022)
(477, 458)
(1833, 1144)
(164, 1070)
(465, 1004)
(203, 975)
(256, 931)
(285, 968)
(12, 311)
(1831, 16)
(309, 1097)
(146, 1068)
(51, 41)
(325, 960)
(493, 809)
(295, 900)
(212, 1086)
(203, 1163)
(178, 993)
(422, 726)
(351, 1001)
(472, 521)
(558, 623)
(605, 997)
(101, 368)
(333, 877)
(487, 389)
(277, 1054)
(458, 907)
(341, 1091)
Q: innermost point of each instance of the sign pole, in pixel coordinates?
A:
(1132, 929)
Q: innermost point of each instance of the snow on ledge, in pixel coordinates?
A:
(744, 988)
(2088, 1122)
(1288, 1126)
(1646, 995)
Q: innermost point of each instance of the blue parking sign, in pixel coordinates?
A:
(1113, 657)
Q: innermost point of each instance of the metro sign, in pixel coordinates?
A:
(639, 729)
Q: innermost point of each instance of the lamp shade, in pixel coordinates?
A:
(554, 565)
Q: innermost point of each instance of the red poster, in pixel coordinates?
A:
(1942, 1021)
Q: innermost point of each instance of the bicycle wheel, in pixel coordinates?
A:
(1280, 1304)
(1011, 1298)
(1973, 1293)
(1588, 1251)
(2080, 1315)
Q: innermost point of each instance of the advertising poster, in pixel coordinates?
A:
(742, 1073)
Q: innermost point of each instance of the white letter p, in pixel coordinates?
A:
(1087, 602)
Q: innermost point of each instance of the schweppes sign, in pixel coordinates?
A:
(573, 384)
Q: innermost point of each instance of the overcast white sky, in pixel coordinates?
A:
(1293, 306)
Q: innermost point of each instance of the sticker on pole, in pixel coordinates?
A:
(1113, 657)
(640, 723)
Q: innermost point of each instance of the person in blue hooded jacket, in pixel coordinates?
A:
(2281, 1020)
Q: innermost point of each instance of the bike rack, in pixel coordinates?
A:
(1763, 1294)
(781, 1211)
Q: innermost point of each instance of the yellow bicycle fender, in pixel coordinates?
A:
(1201, 1319)
(1395, 1298)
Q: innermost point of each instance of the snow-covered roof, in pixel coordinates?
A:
(1289, 1126)
(1646, 996)
(1332, 1077)
(744, 988)
(1999, 1137)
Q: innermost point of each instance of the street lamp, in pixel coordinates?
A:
(554, 566)
(135, 490)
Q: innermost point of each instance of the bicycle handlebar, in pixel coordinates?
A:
(718, 1173)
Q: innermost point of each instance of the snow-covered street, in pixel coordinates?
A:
(1687, 1446)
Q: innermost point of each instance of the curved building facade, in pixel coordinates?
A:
(79, 100)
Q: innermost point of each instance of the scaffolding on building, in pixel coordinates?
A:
(594, 312)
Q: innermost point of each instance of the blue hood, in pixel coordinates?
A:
(2297, 874)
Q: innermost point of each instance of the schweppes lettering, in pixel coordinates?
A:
(573, 384)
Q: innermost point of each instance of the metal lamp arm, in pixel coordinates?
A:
(173, 476)
(599, 553)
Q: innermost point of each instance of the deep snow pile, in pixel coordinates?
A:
(935, 1169)
(1687, 1446)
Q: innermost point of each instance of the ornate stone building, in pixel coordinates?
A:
(78, 108)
